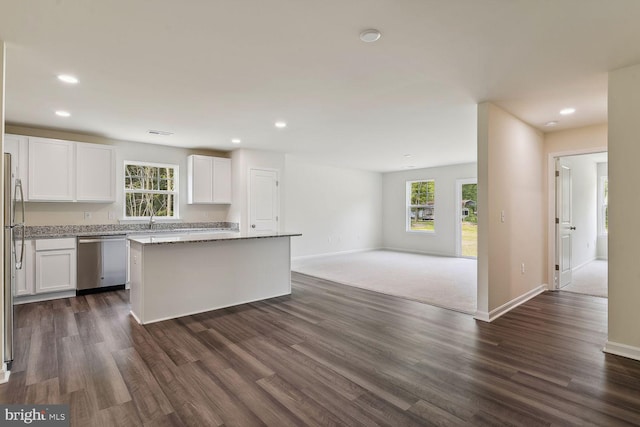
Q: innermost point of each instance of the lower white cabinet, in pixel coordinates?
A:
(24, 282)
(55, 265)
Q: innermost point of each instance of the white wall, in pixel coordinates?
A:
(510, 180)
(602, 247)
(45, 213)
(242, 161)
(335, 209)
(584, 192)
(624, 268)
(394, 211)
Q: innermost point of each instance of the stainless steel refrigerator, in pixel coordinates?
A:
(13, 231)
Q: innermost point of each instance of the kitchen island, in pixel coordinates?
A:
(181, 274)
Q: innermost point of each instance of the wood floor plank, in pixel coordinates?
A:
(269, 410)
(43, 360)
(148, 397)
(326, 355)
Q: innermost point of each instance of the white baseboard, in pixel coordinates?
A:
(577, 267)
(4, 374)
(351, 251)
(505, 308)
(411, 251)
(623, 350)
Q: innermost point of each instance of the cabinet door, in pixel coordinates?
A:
(24, 278)
(221, 180)
(17, 146)
(55, 270)
(50, 170)
(200, 179)
(95, 173)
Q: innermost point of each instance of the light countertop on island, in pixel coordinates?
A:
(204, 236)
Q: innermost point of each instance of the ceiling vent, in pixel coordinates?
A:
(160, 132)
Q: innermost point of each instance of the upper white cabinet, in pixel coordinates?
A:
(66, 171)
(18, 147)
(95, 173)
(51, 166)
(209, 180)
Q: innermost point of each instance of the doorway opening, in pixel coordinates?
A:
(581, 223)
(467, 222)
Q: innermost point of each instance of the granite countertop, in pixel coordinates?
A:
(207, 237)
(62, 231)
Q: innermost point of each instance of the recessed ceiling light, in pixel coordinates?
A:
(160, 132)
(551, 123)
(567, 111)
(67, 78)
(236, 141)
(281, 125)
(410, 167)
(407, 155)
(63, 113)
(369, 36)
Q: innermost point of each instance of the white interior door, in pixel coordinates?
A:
(263, 200)
(564, 225)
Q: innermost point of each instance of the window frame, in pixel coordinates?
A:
(409, 206)
(603, 205)
(175, 192)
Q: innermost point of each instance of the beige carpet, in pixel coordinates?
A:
(590, 279)
(443, 281)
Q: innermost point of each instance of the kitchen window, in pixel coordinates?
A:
(421, 206)
(150, 189)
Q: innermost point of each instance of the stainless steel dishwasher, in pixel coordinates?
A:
(102, 263)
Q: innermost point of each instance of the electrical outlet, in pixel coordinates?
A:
(87, 215)
(522, 268)
(501, 216)
(112, 215)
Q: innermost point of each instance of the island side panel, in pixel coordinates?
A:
(187, 278)
(136, 280)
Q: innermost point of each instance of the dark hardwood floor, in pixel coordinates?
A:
(327, 355)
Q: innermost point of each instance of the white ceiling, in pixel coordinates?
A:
(212, 70)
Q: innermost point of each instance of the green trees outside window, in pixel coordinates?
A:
(150, 190)
(421, 205)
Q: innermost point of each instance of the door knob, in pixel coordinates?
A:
(254, 226)
(572, 228)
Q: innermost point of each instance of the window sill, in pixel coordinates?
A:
(421, 232)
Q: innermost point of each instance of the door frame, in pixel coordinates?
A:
(459, 184)
(277, 171)
(552, 280)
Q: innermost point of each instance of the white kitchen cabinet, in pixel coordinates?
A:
(55, 268)
(51, 170)
(18, 147)
(208, 180)
(221, 180)
(95, 173)
(24, 279)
